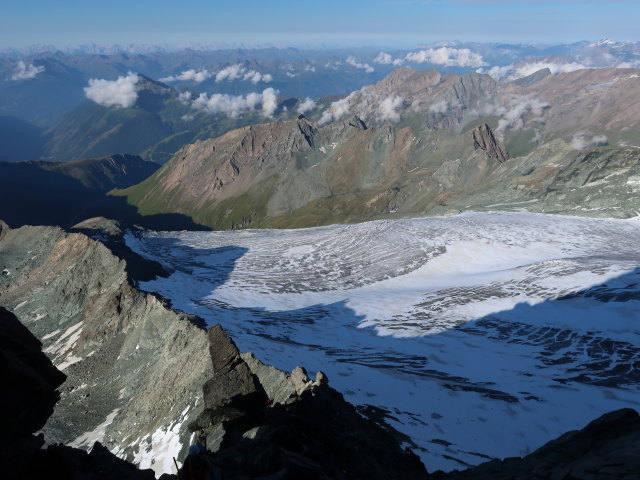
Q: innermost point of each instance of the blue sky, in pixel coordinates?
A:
(331, 22)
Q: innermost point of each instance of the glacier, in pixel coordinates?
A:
(477, 336)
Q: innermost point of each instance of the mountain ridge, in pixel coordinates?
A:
(429, 160)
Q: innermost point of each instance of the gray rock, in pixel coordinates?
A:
(485, 140)
(357, 123)
(321, 379)
(276, 383)
(233, 383)
(300, 379)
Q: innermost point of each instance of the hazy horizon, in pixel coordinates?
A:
(251, 23)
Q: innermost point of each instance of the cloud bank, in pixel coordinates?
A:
(305, 106)
(581, 140)
(443, 106)
(336, 110)
(114, 93)
(516, 71)
(518, 106)
(447, 56)
(367, 104)
(230, 73)
(383, 59)
(240, 72)
(25, 71)
(389, 107)
(236, 105)
(351, 60)
(197, 76)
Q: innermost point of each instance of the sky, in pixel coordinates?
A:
(65, 23)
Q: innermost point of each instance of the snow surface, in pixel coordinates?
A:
(97, 434)
(478, 336)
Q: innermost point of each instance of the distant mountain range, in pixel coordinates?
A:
(419, 142)
(40, 85)
(496, 126)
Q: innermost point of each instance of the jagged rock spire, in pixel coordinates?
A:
(484, 139)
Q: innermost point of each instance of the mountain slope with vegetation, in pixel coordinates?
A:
(418, 143)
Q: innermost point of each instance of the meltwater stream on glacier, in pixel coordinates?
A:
(478, 336)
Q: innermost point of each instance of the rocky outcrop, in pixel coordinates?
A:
(135, 370)
(607, 448)
(357, 123)
(485, 140)
(30, 381)
(29, 384)
(260, 422)
(134, 367)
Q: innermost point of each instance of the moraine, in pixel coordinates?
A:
(481, 335)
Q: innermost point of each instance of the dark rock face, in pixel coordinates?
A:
(285, 426)
(130, 361)
(607, 448)
(357, 123)
(485, 140)
(233, 384)
(30, 381)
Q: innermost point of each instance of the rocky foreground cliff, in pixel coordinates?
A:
(134, 367)
(146, 381)
(135, 371)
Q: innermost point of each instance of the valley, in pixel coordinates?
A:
(477, 336)
(334, 263)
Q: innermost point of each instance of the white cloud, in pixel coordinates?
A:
(443, 106)
(240, 72)
(351, 60)
(581, 140)
(439, 107)
(118, 93)
(383, 58)
(187, 117)
(447, 56)
(25, 71)
(386, 59)
(269, 102)
(197, 76)
(235, 105)
(515, 71)
(309, 68)
(389, 107)
(512, 115)
(336, 110)
(307, 105)
(184, 98)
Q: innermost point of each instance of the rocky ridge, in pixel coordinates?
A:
(432, 145)
(257, 421)
(31, 383)
(134, 367)
(260, 422)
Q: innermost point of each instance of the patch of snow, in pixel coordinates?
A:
(97, 434)
(158, 450)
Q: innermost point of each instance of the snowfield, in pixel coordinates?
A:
(477, 336)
